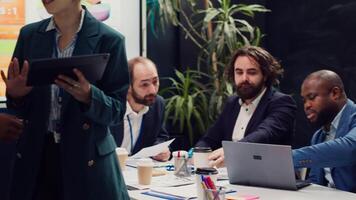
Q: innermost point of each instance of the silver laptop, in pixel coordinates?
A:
(263, 165)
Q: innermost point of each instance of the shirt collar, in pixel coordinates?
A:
(335, 122)
(131, 112)
(52, 25)
(256, 100)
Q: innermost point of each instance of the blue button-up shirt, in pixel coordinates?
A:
(330, 135)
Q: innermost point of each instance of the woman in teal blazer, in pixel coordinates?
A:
(89, 168)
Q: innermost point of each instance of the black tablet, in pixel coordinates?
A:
(44, 71)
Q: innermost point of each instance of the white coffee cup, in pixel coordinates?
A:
(122, 156)
(144, 171)
(200, 156)
(204, 173)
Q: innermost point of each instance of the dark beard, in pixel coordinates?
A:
(326, 115)
(248, 91)
(147, 100)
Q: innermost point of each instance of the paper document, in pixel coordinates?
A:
(132, 162)
(153, 150)
(166, 181)
(222, 174)
(181, 193)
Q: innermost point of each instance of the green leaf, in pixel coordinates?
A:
(189, 107)
(199, 121)
(210, 15)
(180, 76)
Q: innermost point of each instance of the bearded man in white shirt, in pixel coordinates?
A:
(143, 121)
(258, 113)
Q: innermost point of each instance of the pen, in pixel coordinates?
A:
(163, 195)
(216, 195)
(190, 152)
(210, 183)
(205, 180)
(205, 190)
(230, 191)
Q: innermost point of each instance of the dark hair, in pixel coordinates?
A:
(270, 67)
(132, 62)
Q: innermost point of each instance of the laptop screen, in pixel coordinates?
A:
(264, 165)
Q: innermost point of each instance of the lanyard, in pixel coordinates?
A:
(131, 133)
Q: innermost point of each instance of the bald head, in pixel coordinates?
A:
(144, 83)
(328, 79)
(323, 95)
(138, 64)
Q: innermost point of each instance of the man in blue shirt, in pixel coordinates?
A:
(331, 156)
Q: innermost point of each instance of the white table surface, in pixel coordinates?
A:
(312, 192)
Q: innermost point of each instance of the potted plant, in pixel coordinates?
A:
(215, 29)
(187, 103)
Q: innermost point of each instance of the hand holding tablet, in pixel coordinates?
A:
(80, 89)
(73, 74)
(45, 71)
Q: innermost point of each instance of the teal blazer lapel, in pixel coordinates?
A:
(87, 41)
(43, 41)
(42, 47)
(88, 36)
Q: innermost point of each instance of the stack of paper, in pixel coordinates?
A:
(174, 193)
(179, 193)
(153, 150)
(169, 180)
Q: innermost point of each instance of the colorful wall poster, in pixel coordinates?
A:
(12, 18)
(122, 15)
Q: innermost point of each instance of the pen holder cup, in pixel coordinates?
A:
(181, 167)
(205, 178)
(215, 194)
(181, 163)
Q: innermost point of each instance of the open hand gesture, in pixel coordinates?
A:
(16, 79)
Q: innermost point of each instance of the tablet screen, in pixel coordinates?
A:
(44, 71)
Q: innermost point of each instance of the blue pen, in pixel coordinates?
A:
(171, 195)
(162, 195)
(230, 191)
(190, 153)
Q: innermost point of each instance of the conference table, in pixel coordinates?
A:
(162, 183)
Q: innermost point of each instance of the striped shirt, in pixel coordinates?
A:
(56, 97)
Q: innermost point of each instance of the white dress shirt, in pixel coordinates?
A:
(134, 120)
(245, 114)
(330, 135)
